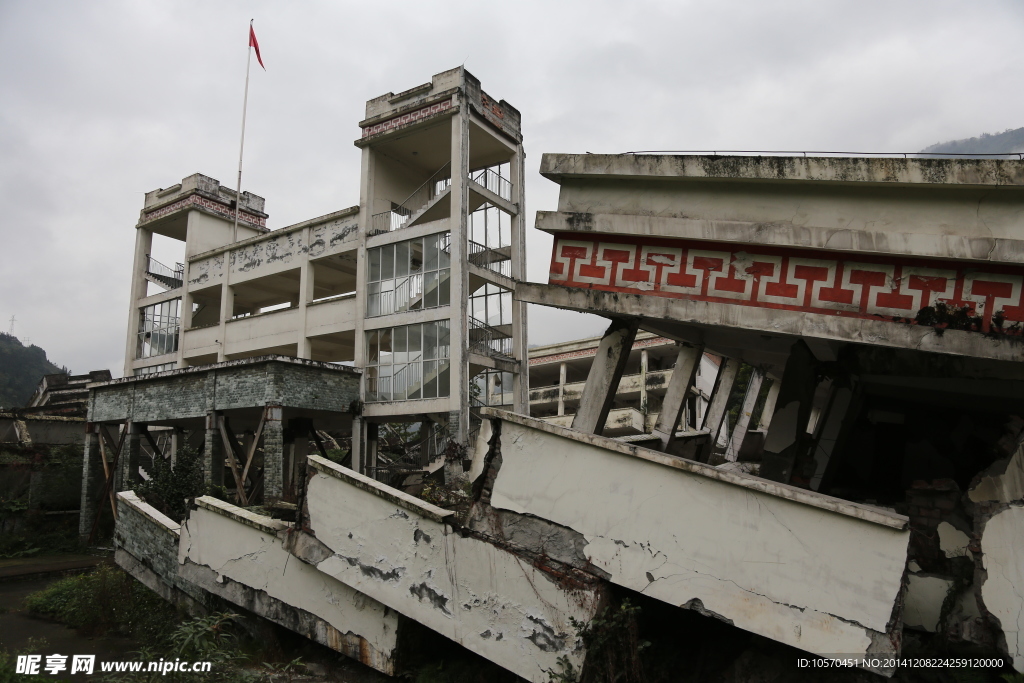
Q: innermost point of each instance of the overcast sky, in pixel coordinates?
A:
(103, 101)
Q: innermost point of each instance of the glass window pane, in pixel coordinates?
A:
(387, 262)
(372, 354)
(371, 383)
(373, 271)
(442, 338)
(414, 387)
(493, 309)
(444, 250)
(430, 252)
(506, 308)
(398, 383)
(442, 378)
(373, 299)
(429, 340)
(384, 344)
(416, 256)
(399, 345)
(384, 383)
(430, 290)
(430, 379)
(402, 294)
(506, 229)
(415, 343)
(387, 297)
(415, 292)
(443, 291)
(401, 259)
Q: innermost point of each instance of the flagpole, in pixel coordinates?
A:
(241, 145)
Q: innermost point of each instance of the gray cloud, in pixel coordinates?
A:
(103, 101)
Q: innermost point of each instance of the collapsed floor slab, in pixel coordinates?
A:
(818, 573)
(414, 558)
(240, 556)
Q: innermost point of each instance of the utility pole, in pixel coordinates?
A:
(11, 331)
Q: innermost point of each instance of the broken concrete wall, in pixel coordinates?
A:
(1002, 545)
(804, 569)
(239, 556)
(412, 557)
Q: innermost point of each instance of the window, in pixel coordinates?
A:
(491, 305)
(490, 239)
(491, 388)
(149, 370)
(409, 275)
(408, 362)
(158, 329)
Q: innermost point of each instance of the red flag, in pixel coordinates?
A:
(254, 44)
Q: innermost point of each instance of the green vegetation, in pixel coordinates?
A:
(21, 368)
(1010, 140)
(169, 489)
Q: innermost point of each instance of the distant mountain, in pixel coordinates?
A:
(21, 368)
(996, 143)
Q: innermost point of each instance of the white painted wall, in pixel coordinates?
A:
(1002, 545)
(490, 600)
(253, 555)
(813, 578)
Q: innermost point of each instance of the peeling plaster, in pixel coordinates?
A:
(1002, 545)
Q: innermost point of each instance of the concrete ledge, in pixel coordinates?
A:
(261, 522)
(162, 521)
(389, 494)
(841, 507)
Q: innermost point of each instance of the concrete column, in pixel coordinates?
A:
(371, 449)
(357, 451)
(131, 457)
(273, 455)
(561, 388)
(739, 431)
(769, 405)
(714, 414)
(227, 309)
(92, 481)
(644, 408)
(787, 433)
(683, 376)
(299, 451)
(143, 246)
(603, 379)
(213, 452)
(835, 427)
(521, 381)
(306, 276)
(459, 373)
(177, 442)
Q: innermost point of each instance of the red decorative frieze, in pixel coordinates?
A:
(986, 298)
(210, 205)
(407, 118)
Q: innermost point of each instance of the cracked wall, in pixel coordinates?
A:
(411, 556)
(800, 568)
(240, 556)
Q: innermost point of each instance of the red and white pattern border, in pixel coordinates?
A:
(216, 207)
(811, 281)
(407, 118)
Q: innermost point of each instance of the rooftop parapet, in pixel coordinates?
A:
(391, 112)
(205, 194)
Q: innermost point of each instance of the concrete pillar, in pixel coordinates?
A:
(213, 452)
(177, 443)
(357, 450)
(521, 381)
(143, 246)
(561, 388)
(644, 408)
(678, 390)
(603, 379)
(714, 415)
(459, 348)
(835, 427)
(739, 431)
(92, 481)
(273, 455)
(787, 433)
(371, 449)
(306, 277)
(131, 456)
(227, 309)
(769, 405)
(299, 451)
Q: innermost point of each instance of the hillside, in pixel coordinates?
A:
(997, 143)
(21, 368)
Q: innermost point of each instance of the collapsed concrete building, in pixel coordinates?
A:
(874, 307)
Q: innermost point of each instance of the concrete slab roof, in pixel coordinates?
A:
(1003, 173)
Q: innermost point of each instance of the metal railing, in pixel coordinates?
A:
(493, 181)
(489, 341)
(498, 260)
(399, 215)
(165, 275)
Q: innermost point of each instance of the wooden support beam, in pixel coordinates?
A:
(715, 413)
(108, 486)
(255, 443)
(683, 376)
(229, 451)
